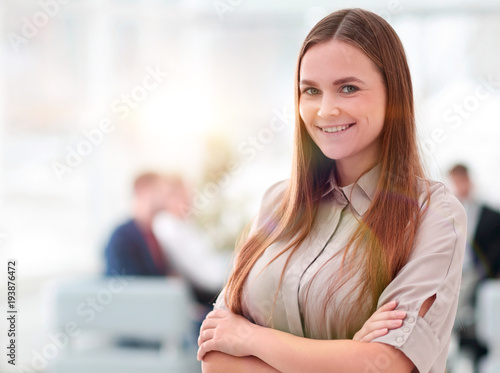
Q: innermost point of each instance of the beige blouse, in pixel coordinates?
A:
(434, 268)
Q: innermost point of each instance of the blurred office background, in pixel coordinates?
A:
(94, 91)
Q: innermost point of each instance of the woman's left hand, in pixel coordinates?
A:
(379, 324)
(226, 332)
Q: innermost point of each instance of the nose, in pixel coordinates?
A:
(329, 107)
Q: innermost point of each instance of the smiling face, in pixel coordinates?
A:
(342, 103)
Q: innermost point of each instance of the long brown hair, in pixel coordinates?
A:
(387, 231)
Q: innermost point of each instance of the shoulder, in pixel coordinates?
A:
(443, 216)
(490, 213)
(440, 200)
(275, 192)
(271, 200)
(126, 226)
(126, 229)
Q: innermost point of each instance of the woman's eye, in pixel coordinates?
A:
(349, 89)
(311, 91)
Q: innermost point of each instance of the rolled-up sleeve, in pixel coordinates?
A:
(433, 269)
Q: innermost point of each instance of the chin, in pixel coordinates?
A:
(334, 155)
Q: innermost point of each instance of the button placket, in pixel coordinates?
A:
(305, 255)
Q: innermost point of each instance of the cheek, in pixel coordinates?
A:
(380, 120)
(306, 111)
(380, 105)
(374, 111)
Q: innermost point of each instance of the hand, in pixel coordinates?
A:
(226, 332)
(380, 322)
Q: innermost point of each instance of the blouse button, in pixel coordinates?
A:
(406, 329)
(399, 339)
(411, 319)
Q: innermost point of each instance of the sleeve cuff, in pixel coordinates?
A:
(416, 340)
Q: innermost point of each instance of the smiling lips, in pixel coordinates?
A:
(337, 128)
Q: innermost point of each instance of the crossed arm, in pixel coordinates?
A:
(282, 352)
(231, 343)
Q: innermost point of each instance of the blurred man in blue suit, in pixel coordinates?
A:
(481, 260)
(133, 249)
(483, 226)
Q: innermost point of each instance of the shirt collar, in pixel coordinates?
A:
(359, 194)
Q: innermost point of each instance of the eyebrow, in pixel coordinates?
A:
(336, 82)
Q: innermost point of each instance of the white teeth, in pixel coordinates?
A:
(335, 129)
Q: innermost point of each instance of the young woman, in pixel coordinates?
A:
(356, 228)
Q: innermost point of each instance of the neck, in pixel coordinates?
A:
(348, 171)
(143, 216)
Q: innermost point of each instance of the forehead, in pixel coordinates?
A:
(335, 59)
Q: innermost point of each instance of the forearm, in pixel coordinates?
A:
(218, 362)
(290, 354)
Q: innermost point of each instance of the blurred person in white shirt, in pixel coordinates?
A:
(190, 250)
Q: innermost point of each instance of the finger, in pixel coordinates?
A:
(382, 324)
(375, 334)
(389, 324)
(209, 324)
(388, 315)
(217, 314)
(205, 336)
(204, 349)
(388, 306)
(396, 314)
